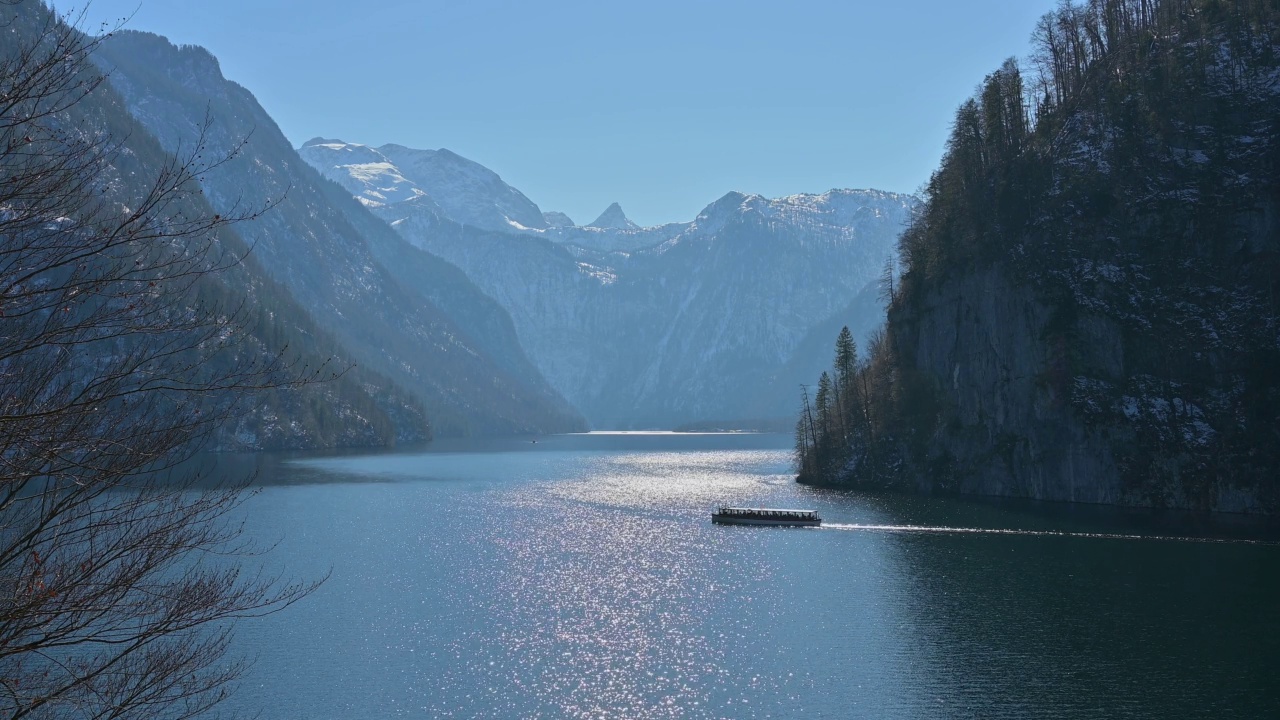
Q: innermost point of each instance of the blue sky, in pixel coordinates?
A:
(660, 105)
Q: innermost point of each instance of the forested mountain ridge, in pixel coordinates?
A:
(660, 326)
(395, 309)
(1088, 310)
(260, 320)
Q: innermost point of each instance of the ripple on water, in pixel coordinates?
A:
(583, 584)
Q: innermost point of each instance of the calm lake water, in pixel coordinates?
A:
(580, 577)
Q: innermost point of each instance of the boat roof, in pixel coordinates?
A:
(756, 510)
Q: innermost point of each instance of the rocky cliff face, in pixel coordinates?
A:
(1010, 427)
(396, 309)
(1036, 405)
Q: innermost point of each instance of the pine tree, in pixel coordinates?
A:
(888, 281)
(806, 442)
(827, 438)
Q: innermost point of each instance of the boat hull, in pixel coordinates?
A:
(733, 520)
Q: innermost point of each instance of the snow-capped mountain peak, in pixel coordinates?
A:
(613, 219)
(362, 170)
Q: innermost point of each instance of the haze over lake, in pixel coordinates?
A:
(580, 577)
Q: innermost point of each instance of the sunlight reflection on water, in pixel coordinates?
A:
(673, 481)
(607, 607)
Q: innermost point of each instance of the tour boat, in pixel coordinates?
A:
(766, 516)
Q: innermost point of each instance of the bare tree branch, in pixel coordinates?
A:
(120, 581)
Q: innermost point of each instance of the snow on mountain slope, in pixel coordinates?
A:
(469, 193)
(363, 171)
(465, 191)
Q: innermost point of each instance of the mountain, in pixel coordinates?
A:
(691, 321)
(227, 284)
(1088, 310)
(613, 219)
(466, 191)
(397, 310)
(557, 219)
(363, 171)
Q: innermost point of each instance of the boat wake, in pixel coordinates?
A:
(942, 530)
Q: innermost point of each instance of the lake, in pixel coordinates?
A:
(580, 577)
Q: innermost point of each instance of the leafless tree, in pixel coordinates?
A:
(119, 577)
